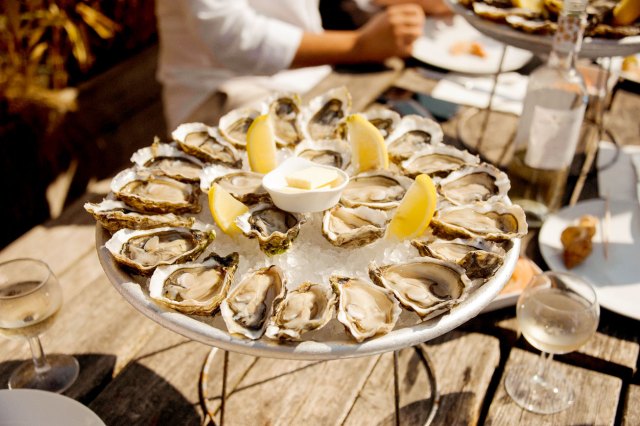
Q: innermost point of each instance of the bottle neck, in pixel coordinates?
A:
(567, 40)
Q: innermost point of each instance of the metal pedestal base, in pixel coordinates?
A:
(419, 349)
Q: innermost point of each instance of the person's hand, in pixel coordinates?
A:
(390, 32)
(430, 7)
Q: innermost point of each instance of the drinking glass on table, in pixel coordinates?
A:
(557, 313)
(30, 298)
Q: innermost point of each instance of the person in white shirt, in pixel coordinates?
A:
(216, 55)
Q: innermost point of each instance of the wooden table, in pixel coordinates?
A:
(135, 372)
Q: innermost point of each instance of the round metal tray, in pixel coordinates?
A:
(329, 343)
(591, 47)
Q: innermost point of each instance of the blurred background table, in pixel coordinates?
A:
(135, 372)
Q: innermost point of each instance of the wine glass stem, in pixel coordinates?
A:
(543, 365)
(39, 359)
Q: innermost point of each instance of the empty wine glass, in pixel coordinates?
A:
(557, 313)
(30, 298)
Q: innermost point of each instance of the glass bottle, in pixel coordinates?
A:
(549, 127)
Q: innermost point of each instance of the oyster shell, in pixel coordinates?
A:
(500, 14)
(412, 135)
(206, 143)
(309, 307)
(375, 189)
(320, 119)
(328, 152)
(114, 215)
(475, 183)
(244, 185)
(425, 285)
(494, 221)
(542, 27)
(167, 160)
(250, 303)
(155, 194)
(234, 125)
(353, 227)
(144, 250)
(194, 288)
(437, 161)
(478, 257)
(275, 229)
(385, 120)
(364, 309)
(284, 109)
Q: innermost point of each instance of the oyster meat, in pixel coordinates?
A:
(475, 183)
(309, 307)
(364, 309)
(437, 161)
(206, 143)
(320, 119)
(155, 194)
(167, 160)
(375, 189)
(114, 215)
(328, 152)
(478, 257)
(243, 185)
(426, 286)
(386, 120)
(250, 303)
(284, 110)
(493, 221)
(195, 288)
(275, 229)
(412, 135)
(144, 250)
(353, 227)
(234, 125)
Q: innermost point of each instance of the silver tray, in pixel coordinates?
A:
(591, 47)
(333, 343)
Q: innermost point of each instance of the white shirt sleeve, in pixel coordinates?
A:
(241, 39)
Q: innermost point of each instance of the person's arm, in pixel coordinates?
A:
(388, 33)
(430, 7)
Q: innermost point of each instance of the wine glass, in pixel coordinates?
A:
(30, 298)
(557, 313)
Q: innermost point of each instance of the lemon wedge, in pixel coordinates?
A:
(367, 144)
(532, 5)
(626, 12)
(261, 145)
(415, 210)
(224, 209)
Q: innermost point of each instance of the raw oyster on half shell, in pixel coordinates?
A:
(167, 160)
(353, 227)
(494, 221)
(114, 215)
(249, 304)
(144, 250)
(375, 189)
(472, 184)
(363, 308)
(412, 135)
(155, 194)
(275, 229)
(328, 152)
(479, 258)
(386, 120)
(284, 109)
(194, 288)
(425, 285)
(320, 119)
(234, 125)
(437, 161)
(309, 307)
(206, 143)
(243, 185)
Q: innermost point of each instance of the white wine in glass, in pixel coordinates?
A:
(30, 298)
(557, 313)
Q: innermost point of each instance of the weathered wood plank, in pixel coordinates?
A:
(464, 364)
(631, 413)
(596, 397)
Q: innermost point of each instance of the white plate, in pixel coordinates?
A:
(441, 33)
(28, 407)
(617, 278)
(591, 47)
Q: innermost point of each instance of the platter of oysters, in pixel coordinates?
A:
(321, 285)
(530, 24)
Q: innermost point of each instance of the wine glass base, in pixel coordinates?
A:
(540, 395)
(63, 372)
